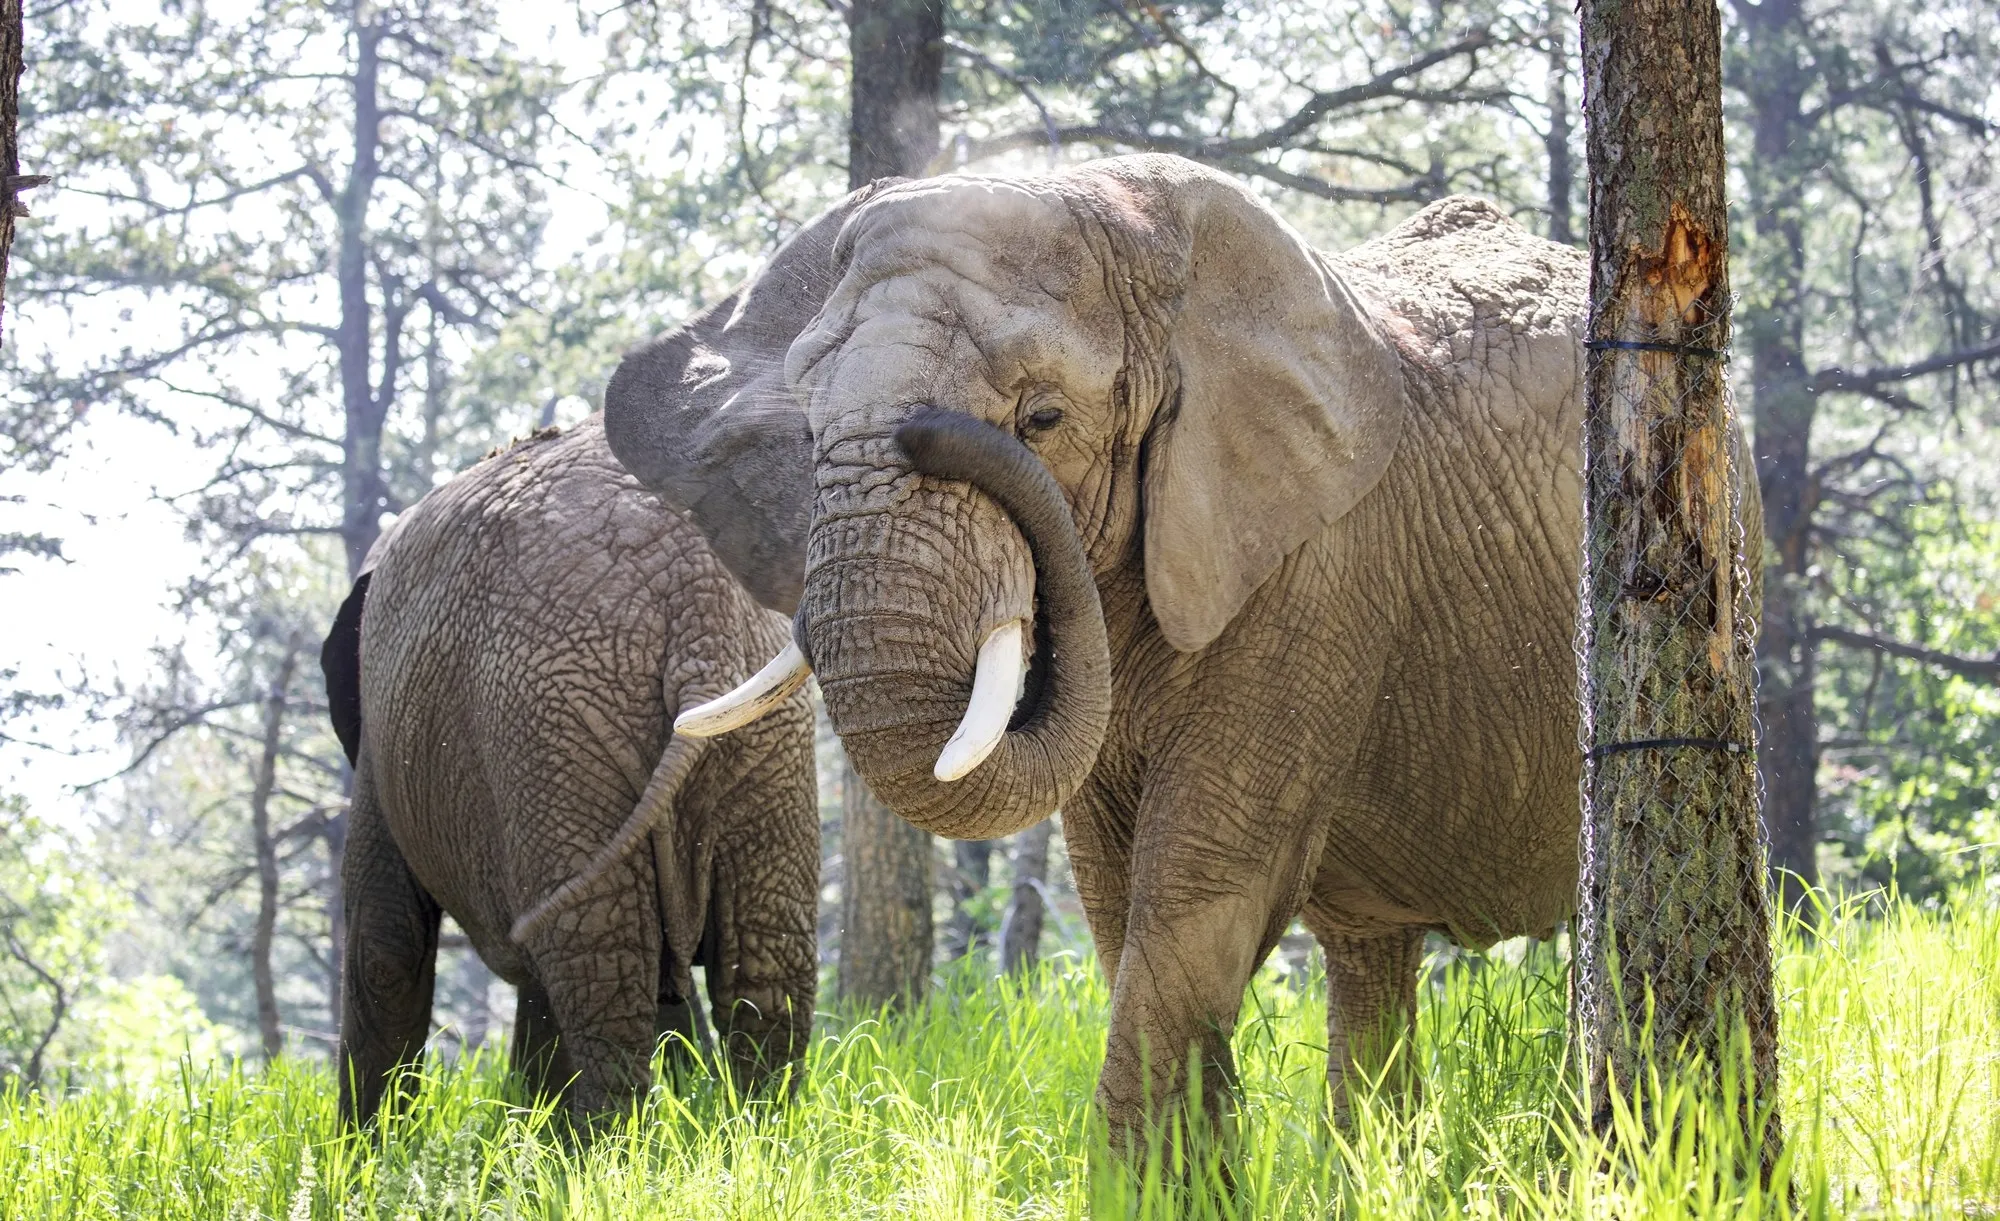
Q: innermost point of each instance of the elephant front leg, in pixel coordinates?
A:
(389, 969)
(1210, 896)
(1371, 1012)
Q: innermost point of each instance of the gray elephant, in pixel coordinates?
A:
(1103, 490)
(502, 677)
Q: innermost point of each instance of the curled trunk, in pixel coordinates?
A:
(885, 620)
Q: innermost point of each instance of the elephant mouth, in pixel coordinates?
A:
(1034, 687)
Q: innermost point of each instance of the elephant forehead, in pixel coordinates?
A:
(953, 344)
(967, 294)
(1008, 235)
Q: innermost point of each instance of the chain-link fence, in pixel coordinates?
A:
(1673, 950)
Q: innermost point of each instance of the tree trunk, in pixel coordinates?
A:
(1674, 931)
(364, 407)
(1781, 393)
(1021, 927)
(364, 411)
(972, 861)
(10, 153)
(479, 990)
(885, 902)
(1562, 174)
(269, 1029)
(897, 47)
(897, 51)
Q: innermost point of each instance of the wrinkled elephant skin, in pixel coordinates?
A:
(1297, 536)
(525, 634)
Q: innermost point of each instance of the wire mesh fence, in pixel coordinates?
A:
(1673, 949)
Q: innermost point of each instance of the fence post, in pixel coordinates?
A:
(1673, 932)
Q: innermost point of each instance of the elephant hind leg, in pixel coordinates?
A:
(598, 961)
(390, 967)
(1371, 1008)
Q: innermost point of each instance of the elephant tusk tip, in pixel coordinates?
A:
(763, 691)
(959, 757)
(996, 688)
(690, 725)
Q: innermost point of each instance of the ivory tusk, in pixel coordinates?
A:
(765, 690)
(996, 688)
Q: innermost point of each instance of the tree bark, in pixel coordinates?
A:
(897, 52)
(897, 47)
(478, 987)
(364, 410)
(1562, 173)
(269, 1028)
(364, 404)
(10, 153)
(1021, 927)
(885, 902)
(1782, 394)
(1674, 928)
(972, 861)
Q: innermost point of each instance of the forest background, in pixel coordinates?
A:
(300, 262)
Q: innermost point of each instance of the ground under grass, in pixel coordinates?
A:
(977, 1106)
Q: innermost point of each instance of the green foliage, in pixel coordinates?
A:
(1914, 783)
(188, 270)
(977, 1105)
(54, 916)
(1360, 112)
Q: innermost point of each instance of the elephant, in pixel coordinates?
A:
(1103, 490)
(501, 678)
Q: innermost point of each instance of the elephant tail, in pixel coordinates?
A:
(340, 662)
(675, 766)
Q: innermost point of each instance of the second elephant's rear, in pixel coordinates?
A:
(526, 636)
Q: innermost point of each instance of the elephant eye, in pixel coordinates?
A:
(1045, 418)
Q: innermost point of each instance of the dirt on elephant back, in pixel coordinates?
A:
(539, 435)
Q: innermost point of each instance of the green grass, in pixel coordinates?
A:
(977, 1106)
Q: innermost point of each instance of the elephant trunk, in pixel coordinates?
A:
(887, 631)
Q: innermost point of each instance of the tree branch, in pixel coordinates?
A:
(162, 210)
(1986, 671)
(1019, 82)
(1870, 381)
(1235, 153)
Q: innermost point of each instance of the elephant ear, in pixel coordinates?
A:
(1290, 404)
(703, 418)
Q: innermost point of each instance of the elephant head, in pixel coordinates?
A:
(1001, 391)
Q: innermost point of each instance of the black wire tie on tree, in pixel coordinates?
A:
(1614, 748)
(1647, 345)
